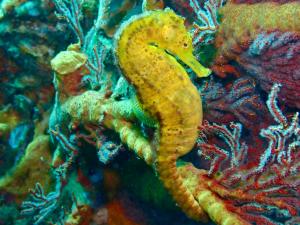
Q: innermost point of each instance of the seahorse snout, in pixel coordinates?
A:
(192, 62)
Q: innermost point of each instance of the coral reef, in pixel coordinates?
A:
(130, 93)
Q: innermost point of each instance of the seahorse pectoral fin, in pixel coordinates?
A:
(193, 63)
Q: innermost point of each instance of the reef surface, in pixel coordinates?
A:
(149, 112)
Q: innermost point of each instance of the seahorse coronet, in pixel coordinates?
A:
(146, 48)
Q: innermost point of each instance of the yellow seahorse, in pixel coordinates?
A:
(146, 49)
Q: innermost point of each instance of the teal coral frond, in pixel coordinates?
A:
(42, 206)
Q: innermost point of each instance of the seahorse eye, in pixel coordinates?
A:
(185, 45)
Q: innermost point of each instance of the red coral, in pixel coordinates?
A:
(268, 190)
(267, 51)
(235, 101)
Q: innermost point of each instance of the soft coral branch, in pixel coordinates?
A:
(42, 206)
(273, 182)
(71, 12)
(207, 16)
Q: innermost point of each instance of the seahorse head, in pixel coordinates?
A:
(162, 29)
(173, 36)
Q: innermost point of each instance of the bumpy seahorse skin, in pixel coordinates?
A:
(146, 48)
